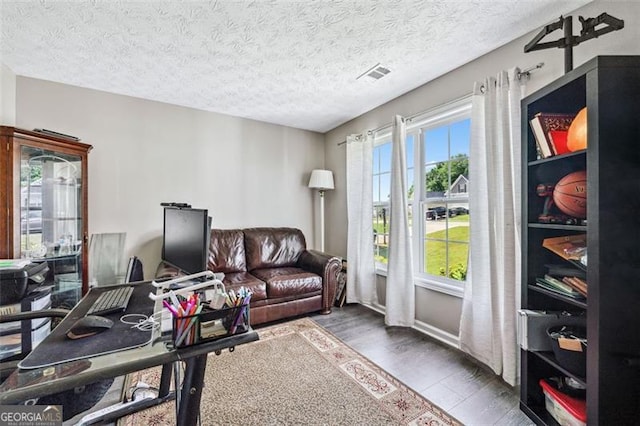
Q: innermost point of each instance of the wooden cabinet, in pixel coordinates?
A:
(44, 206)
(609, 86)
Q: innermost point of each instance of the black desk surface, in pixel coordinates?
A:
(58, 348)
(24, 384)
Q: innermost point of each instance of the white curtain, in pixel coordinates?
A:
(361, 276)
(492, 293)
(400, 295)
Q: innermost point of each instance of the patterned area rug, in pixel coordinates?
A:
(297, 373)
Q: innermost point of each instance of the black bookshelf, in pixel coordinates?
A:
(609, 86)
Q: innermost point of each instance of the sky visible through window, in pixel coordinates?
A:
(436, 151)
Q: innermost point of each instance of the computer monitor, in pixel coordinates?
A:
(185, 243)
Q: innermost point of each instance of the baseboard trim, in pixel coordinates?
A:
(441, 335)
(431, 331)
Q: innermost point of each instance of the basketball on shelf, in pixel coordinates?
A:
(570, 194)
(577, 134)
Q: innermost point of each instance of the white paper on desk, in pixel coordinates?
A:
(14, 263)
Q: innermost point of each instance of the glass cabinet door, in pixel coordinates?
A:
(51, 222)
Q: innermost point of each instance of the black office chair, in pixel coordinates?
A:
(134, 270)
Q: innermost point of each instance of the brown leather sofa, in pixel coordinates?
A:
(286, 279)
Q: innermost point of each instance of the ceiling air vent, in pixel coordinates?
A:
(376, 72)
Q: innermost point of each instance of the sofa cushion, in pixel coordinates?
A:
(235, 280)
(226, 251)
(273, 247)
(284, 282)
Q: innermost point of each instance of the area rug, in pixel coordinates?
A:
(297, 374)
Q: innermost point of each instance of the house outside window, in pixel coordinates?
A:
(438, 143)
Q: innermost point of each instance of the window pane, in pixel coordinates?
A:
(381, 233)
(409, 151)
(410, 166)
(376, 161)
(381, 192)
(457, 257)
(376, 189)
(446, 214)
(436, 146)
(385, 187)
(410, 185)
(446, 247)
(385, 157)
(435, 256)
(459, 218)
(460, 133)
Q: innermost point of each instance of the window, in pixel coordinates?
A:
(438, 178)
(445, 201)
(381, 193)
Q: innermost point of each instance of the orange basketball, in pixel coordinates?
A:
(577, 135)
(570, 194)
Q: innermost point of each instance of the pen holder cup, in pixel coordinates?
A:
(210, 324)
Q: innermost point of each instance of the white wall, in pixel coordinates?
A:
(247, 173)
(7, 96)
(453, 86)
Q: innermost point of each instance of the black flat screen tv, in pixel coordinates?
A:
(185, 242)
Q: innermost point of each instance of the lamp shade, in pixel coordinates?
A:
(321, 179)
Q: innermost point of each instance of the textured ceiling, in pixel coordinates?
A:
(293, 63)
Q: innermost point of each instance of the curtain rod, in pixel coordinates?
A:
(524, 73)
(411, 117)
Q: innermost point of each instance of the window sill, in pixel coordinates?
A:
(446, 288)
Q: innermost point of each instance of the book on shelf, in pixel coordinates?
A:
(556, 286)
(577, 284)
(550, 132)
(569, 247)
(558, 140)
(556, 270)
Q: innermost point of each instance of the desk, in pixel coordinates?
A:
(25, 384)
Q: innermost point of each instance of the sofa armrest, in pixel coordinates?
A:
(327, 267)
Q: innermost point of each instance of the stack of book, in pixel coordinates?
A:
(550, 131)
(560, 287)
(567, 279)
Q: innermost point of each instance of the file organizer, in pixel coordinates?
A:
(210, 324)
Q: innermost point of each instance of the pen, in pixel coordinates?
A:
(170, 308)
(175, 302)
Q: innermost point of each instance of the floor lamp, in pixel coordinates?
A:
(321, 180)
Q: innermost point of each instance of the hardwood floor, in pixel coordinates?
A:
(467, 390)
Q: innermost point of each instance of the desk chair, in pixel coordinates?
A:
(134, 270)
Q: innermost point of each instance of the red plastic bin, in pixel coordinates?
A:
(565, 410)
